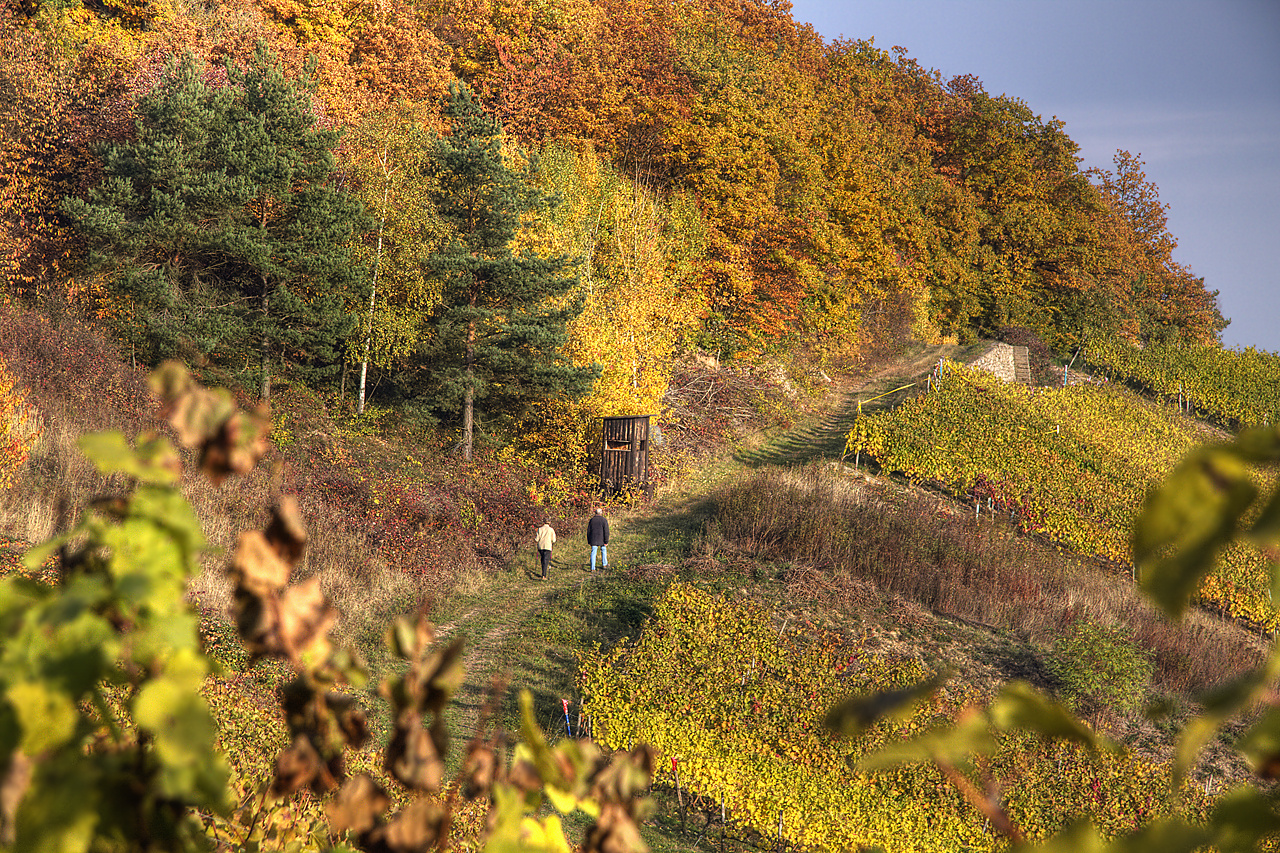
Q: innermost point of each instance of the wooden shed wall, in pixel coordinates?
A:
(624, 451)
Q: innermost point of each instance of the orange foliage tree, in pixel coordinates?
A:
(745, 151)
(62, 87)
(18, 429)
(846, 196)
(1162, 298)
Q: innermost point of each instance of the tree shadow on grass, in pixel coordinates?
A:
(606, 609)
(664, 532)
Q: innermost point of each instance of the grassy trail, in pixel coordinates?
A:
(505, 640)
(821, 436)
(521, 630)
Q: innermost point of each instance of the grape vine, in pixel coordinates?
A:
(1072, 463)
(743, 709)
(1234, 388)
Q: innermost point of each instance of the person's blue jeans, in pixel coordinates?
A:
(604, 553)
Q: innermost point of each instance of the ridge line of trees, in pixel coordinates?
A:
(726, 181)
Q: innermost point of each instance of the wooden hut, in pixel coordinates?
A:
(624, 454)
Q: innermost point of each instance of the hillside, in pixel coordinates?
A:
(753, 500)
(426, 247)
(724, 178)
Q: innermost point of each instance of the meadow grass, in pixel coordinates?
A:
(843, 532)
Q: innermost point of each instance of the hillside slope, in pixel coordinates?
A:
(931, 585)
(754, 520)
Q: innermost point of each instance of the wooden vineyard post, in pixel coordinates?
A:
(679, 796)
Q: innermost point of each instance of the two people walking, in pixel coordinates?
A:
(597, 538)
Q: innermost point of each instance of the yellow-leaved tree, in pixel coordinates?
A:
(387, 156)
(636, 254)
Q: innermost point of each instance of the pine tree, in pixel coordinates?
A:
(223, 232)
(498, 331)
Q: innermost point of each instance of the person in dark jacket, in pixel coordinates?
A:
(598, 537)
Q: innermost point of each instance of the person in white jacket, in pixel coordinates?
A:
(546, 537)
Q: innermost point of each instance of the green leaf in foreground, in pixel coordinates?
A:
(972, 736)
(1186, 521)
(155, 461)
(1261, 745)
(1018, 706)
(854, 716)
(1021, 706)
(1242, 819)
(1220, 705)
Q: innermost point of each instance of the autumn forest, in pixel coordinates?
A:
(701, 175)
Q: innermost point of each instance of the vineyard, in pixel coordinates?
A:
(739, 698)
(1234, 388)
(1072, 464)
(735, 707)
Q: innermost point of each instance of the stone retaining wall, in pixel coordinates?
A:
(999, 361)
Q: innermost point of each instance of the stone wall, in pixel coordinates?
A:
(999, 361)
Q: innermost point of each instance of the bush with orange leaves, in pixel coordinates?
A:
(18, 427)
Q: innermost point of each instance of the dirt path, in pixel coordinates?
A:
(519, 627)
(822, 435)
(515, 626)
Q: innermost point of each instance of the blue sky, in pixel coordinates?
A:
(1193, 86)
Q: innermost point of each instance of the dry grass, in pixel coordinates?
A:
(74, 379)
(78, 384)
(842, 535)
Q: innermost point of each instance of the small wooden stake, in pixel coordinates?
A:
(679, 796)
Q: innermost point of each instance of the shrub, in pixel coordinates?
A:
(1099, 670)
(72, 370)
(17, 427)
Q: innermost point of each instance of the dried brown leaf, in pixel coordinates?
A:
(412, 756)
(286, 533)
(357, 806)
(169, 381)
(257, 567)
(229, 441)
(299, 766)
(439, 677)
(305, 619)
(614, 832)
(479, 768)
(524, 776)
(197, 414)
(257, 622)
(416, 829)
(237, 446)
(626, 777)
(350, 718)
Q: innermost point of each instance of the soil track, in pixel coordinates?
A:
(509, 623)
